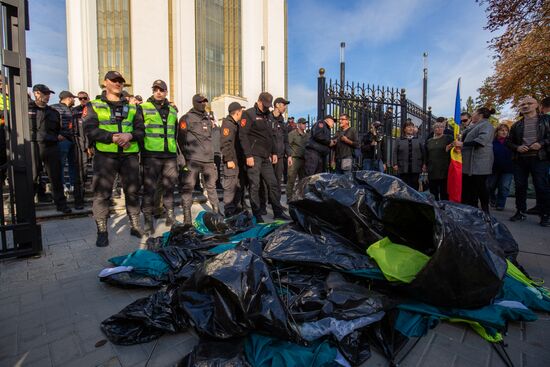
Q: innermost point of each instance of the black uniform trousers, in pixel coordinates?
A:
(278, 171)
(210, 176)
(161, 172)
(263, 169)
(106, 167)
(49, 156)
(234, 182)
(79, 178)
(315, 162)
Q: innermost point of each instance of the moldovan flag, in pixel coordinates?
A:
(454, 178)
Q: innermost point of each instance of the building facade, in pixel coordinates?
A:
(226, 49)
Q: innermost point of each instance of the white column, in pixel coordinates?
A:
(185, 76)
(149, 42)
(275, 65)
(82, 46)
(252, 40)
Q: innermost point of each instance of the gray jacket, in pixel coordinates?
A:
(401, 155)
(477, 159)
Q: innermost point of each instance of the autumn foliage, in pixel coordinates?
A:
(522, 50)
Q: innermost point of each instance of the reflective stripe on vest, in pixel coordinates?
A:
(155, 135)
(106, 123)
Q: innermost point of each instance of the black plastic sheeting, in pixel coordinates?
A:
(326, 249)
(467, 264)
(131, 280)
(212, 353)
(218, 224)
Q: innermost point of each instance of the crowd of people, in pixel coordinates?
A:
(149, 150)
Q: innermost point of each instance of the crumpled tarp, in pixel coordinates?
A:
(467, 264)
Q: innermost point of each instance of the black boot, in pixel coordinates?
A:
(170, 217)
(102, 234)
(148, 224)
(187, 219)
(135, 229)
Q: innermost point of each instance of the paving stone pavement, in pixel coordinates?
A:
(51, 307)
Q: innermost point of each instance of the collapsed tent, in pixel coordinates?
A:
(368, 262)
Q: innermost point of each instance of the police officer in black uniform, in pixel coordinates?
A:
(159, 154)
(195, 141)
(257, 141)
(318, 146)
(233, 161)
(281, 137)
(116, 128)
(46, 126)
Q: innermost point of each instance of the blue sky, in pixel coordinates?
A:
(384, 39)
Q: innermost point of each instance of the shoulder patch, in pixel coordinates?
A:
(183, 124)
(225, 131)
(243, 122)
(85, 111)
(321, 124)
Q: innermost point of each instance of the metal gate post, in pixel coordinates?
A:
(321, 91)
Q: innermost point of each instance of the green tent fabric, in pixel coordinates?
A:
(144, 262)
(264, 351)
(397, 262)
(536, 286)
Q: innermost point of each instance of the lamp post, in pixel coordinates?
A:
(263, 68)
(342, 66)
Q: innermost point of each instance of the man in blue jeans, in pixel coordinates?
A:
(66, 144)
(530, 141)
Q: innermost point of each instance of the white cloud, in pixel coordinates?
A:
(303, 100)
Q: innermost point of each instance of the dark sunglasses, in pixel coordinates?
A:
(464, 120)
(83, 98)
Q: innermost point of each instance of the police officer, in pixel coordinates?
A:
(116, 128)
(233, 161)
(159, 154)
(67, 147)
(46, 128)
(297, 140)
(195, 140)
(318, 146)
(257, 141)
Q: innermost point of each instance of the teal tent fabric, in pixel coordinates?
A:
(144, 262)
(415, 325)
(264, 351)
(530, 296)
(259, 231)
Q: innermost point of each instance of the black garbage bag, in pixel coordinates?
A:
(355, 347)
(385, 338)
(145, 319)
(213, 353)
(231, 294)
(182, 261)
(326, 249)
(218, 224)
(484, 227)
(131, 280)
(333, 202)
(184, 235)
(467, 261)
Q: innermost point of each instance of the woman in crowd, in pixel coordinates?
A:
(477, 158)
(408, 156)
(503, 169)
(437, 161)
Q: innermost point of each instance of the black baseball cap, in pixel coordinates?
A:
(329, 117)
(302, 120)
(198, 98)
(66, 94)
(280, 100)
(266, 98)
(114, 75)
(160, 84)
(139, 98)
(234, 106)
(41, 88)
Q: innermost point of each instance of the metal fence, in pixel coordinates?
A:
(367, 103)
(19, 233)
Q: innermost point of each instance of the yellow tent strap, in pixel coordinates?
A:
(518, 275)
(480, 330)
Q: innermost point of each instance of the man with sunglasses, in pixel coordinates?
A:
(116, 128)
(159, 154)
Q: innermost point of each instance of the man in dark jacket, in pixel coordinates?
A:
(67, 147)
(373, 148)
(46, 127)
(318, 146)
(297, 140)
(256, 138)
(195, 141)
(116, 129)
(346, 142)
(159, 154)
(529, 139)
(233, 161)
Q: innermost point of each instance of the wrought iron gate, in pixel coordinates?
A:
(19, 233)
(366, 103)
